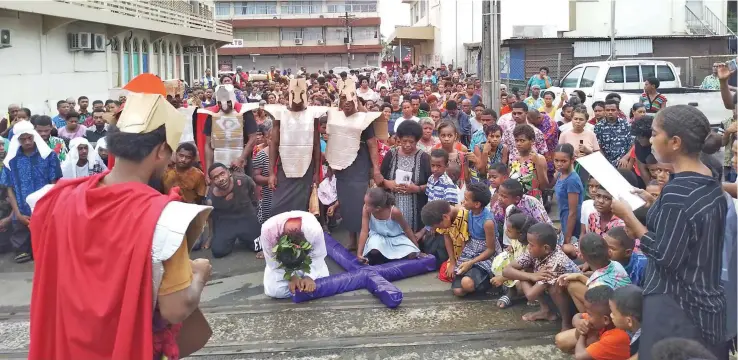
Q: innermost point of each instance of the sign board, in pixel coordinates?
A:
(192, 49)
(234, 43)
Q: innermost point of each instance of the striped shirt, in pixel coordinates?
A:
(261, 163)
(684, 245)
(655, 104)
(442, 188)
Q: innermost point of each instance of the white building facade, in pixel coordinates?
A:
(47, 54)
(287, 34)
(439, 29)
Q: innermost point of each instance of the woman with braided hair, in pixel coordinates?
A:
(682, 239)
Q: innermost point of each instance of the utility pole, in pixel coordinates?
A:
(491, 53)
(613, 55)
(347, 40)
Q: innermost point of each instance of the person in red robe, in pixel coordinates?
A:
(124, 245)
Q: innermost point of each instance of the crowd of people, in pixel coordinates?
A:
(411, 162)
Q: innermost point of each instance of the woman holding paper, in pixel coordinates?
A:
(682, 239)
(406, 170)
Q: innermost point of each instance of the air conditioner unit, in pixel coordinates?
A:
(298, 41)
(5, 38)
(98, 42)
(321, 42)
(80, 41)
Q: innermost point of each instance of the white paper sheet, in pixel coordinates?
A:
(403, 177)
(609, 177)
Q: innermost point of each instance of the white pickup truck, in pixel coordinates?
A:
(626, 77)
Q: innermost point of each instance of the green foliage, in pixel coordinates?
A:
(285, 244)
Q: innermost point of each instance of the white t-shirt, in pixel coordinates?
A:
(566, 127)
(588, 207)
(401, 119)
(386, 84)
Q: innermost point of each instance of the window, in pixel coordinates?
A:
(156, 47)
(588, 79)
(255, 35)
(335, 34)
(648, 71)
(291, 33)
(614, 75)
(632, 75)
(363, 33)
(423, 7)
(664, 73)
(256, 8)
(144, 46)
(312, 34)
(415, 13)
(352, 6)
(301, 7)
(223, 8)
(572, 78)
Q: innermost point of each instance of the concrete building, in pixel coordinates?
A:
(292, 34)
(47, 53)
(450, 31)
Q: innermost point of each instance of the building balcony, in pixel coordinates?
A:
(173, 17)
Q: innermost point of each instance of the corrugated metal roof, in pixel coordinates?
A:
(630, 47)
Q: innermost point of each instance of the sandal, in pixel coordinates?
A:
(504, 302)
(23, 258)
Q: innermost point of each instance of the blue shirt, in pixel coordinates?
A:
(614, 139)
(475, 99)
(59, 121)
(478, 138)
(564, 187)
(535, 80)
(323, 144)
(28, 174)
(392, 120)
(442, 188)
(635, 267)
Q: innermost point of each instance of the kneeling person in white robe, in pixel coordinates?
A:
(82, 160)
(294, 250)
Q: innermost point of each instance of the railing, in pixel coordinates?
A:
(160, 11)
(695, 25)
(714, 22)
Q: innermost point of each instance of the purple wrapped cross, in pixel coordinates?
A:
(377, 279)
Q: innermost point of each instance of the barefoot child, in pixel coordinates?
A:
(569, 195)
(453, 223)
(385, 235)
(547, 262)
(626, 306)
(516, 229)
(606, 272)
(474, 266)
(510, 193)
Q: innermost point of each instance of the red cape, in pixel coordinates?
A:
(92, 287)
(200, 130)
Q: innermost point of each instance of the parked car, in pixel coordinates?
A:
(626, 77)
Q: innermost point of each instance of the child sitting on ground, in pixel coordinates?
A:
(681, 349)
(606, 272)
(588, 206)
(454, 173)
(451, 222)
(439, 187)
(622, 249)
(603, 219)
(496, 174)
(597, 336)
(516, 229)
(474, 266)
(385, 235)
(547, 262)
(511, 192)
(626, 306)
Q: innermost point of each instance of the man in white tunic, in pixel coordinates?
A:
(294, 250)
